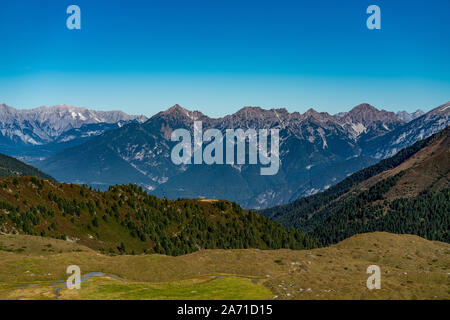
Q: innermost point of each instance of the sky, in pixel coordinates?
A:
(143, 56)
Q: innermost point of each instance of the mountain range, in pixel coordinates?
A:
(36, 133)
(317, 150)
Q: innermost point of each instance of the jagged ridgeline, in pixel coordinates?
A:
(125, 219)
(11, 167)
(407, 193)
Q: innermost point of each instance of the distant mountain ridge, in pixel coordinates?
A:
(317, 150)
(34, 134)
(407, 117)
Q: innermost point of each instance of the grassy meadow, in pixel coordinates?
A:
(412, 268)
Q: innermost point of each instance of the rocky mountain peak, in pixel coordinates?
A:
(177, 115)
(260, 112)
(367, 114)
(364, 107)
(250, 112)
(4, 109)
(407, 117)
(318, 117)
(175, 109)
(256, 117)
(311, 111)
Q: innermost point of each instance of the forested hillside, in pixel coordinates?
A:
(426, 215)
(11, 167)
(125, 219)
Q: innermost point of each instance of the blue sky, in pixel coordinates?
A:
(218, 56)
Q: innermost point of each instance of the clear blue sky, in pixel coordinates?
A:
(219, 55)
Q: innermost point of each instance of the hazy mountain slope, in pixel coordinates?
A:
(105, 169)
(418, 129)
(10, 167)
(135, 153)
(126, 219)
(408, 193)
